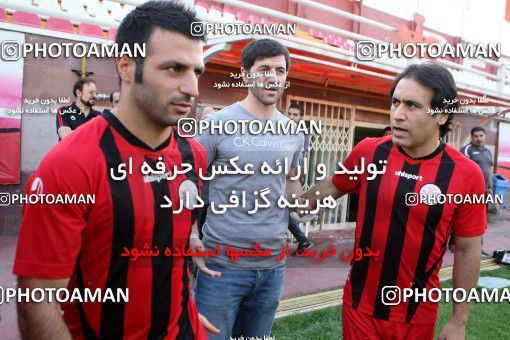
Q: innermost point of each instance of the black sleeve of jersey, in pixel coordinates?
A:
(62, 119)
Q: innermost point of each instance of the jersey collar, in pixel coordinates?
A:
(128, 136)
(439, 149)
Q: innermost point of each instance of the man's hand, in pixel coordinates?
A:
(317, 193)
(207, 325)
(304, 211)
(453, 331)
(194, 243)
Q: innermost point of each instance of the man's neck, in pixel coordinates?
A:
(423, 150)
(135, 121)
(256, 108)
(478, 146)
(84, 108)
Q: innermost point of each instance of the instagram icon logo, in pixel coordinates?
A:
(391, 295)
(412, 199)
(10, 50)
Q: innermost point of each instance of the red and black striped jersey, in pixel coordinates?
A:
(412, 238)
(72, 116)
(86, 241)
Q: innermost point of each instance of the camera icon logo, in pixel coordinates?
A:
(412, 199)
(5, 199)
(197, 29)
(365, 50)
(187, 127)
(10, 50)
(391, 295)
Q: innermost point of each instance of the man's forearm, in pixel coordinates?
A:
(491, 185)
(63, 131)
(466, 269)
(293, 187)
(324, 188)
(194, 231)
(42, 321)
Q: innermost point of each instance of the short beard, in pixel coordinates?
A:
(154, 110)
(87, 103)
(149, 103)
(260, 97)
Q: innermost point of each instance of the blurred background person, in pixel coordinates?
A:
(296, 112)
(477, 152)
(481, 155)
(114, 98)
(69, 117)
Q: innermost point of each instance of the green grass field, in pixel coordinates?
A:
(486, 320)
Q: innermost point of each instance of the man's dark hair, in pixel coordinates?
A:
(111, 96)
(476, 129)
(263, 48)
(440, 81)
(138, 25)
(298, 107)
(388, 128)
(79, 84)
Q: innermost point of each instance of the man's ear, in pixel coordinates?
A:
(126, 67)
(441, 118)
(244, 74)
